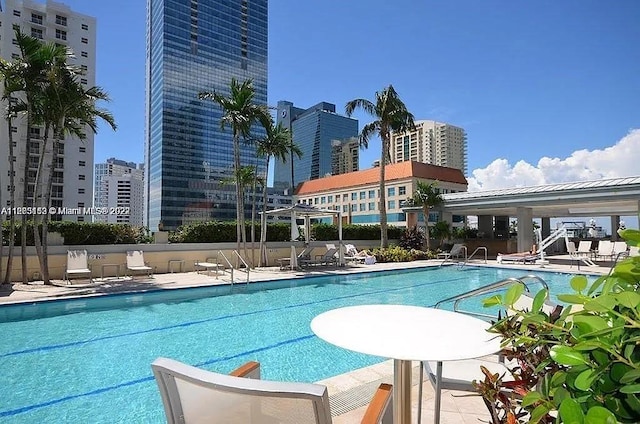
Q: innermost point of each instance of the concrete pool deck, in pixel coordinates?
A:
(350, 392)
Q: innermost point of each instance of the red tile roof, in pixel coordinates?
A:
(394, 171)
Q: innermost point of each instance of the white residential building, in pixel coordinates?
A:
(73, 171)
(119, 191)
(431, 142)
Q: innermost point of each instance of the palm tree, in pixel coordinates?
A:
(240, 112)
(276, 143)
(391, 115)
(428, 196)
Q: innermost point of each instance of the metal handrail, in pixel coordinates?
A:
(220, 252)
(479, 248)
(246, 266)
(489, 288)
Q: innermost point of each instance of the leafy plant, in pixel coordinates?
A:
(578, 366)
(412, 238)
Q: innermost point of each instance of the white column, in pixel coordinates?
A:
(525, 229)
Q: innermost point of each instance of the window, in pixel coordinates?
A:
(16, 13)
(391, 204)
(81, 177)
(85, 27)
(36, 18)
(60, 34)
(61, 20)
(391, 191)
(402, 191)
(15, 56)
(363, 195)
(80, 191)
(15, 42)
(81, 163)
(345, 197)
(315, 200)
(323, 200)
(84, 40)
(345, 208)
(80, 218)
(372, 206)
(81, 204)
(83, 80)
(84, 54)
(363, 207)
(83, 67)
(354, 196)
(16, 26)
(14, 129)
(36, 33)
(82, 149)
(354, 207)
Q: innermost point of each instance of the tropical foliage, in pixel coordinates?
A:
(391, 115)
(578, 366)
(426, 195)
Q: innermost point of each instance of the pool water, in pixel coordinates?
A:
(88, 360)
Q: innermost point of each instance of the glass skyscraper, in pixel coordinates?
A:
(314, 130)
(195, 46)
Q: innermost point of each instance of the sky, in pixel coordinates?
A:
(548, 91)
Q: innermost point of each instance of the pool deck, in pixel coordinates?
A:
(348, 392)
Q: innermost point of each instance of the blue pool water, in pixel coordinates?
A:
(88, 360)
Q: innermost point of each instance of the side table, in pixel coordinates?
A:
(103, 266)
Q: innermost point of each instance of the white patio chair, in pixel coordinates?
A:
(456, 250)
(584, 248)
(191, 395)
(620, 250)
(77, 264)
(575, 256)
(605, 249)
(136, 263)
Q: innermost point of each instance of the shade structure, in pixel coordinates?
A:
(307, 212)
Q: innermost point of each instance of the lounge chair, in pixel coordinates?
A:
(574, 255)
(136, 263)
(362, 256)
(327, 258)
(456, 251)
(193, 395)
(620, 250)
(77, 264)
(524, 257)
(584, 248)
(604, 249)
(305, 255)
(634, 251)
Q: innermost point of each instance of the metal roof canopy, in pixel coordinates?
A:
(617, 196)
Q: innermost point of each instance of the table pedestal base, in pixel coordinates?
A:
(401, 391)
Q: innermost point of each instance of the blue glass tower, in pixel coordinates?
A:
(313, 130)
(195, 46)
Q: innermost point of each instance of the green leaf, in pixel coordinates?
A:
(513, 293)
(570, 412)
(630, 388)
(538, 412)
(492, 301)
(579, 283)
(565, 355)
(538, 301)
(573, 298)
(599, 415)
(631, 236)
(585, 379)
(531, 398)
(594, 322)
(602, 303)
(629, 299)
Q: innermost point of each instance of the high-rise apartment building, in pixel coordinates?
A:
(119, 190)
(345, 155)
(313, 130)
(73, 169)
(431, 142)
(195, 46)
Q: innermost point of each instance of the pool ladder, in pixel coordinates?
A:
(230, 266)
(467, 259)
(491, 288)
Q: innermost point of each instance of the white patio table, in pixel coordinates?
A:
(407, 333)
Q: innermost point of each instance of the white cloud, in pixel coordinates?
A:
(619, 160)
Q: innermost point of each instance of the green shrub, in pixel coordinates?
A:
(89, 233)
(412, 238)
(225, 232)
(328, 232)
(581, 365)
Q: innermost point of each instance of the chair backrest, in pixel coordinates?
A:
(634, 251)
(306, 253)
(330, 246)
(135, 258)
(605, 247)
(77, 259)
(525, 302)
(619, 247)
(350, 250)
(329, 254)
(571, 247)
(192, 395)
(584, 246)
(456, 249)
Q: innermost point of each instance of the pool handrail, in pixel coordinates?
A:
(489, 288)
(246, 267)
(479, 248)
(221, 253)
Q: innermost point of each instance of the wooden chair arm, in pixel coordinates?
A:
(249, 370)
(378, 406)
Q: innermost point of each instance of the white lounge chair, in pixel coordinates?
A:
(574, 255)
(604, 250)
(136, 263)
(584, 248)
(456, 250)
(77, 264)
(351, 253)
(327, 258)
(620, 250)
(305, 255)
(191, 395)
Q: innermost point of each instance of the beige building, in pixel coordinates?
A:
(73, 170)
(345, 155)
(357, 194)
(431, 142)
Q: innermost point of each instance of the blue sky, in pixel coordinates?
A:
(548, 91)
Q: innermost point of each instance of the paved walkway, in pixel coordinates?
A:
(349, 392)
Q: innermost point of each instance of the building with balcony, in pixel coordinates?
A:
(73, 169)
(431, 142)
(119, 189)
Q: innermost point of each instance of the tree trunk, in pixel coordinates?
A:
(425, 212)
(12, 205)
(44, 264)
(253, 216)
(384, 241)
(239, 205)
(37, 201)
(263, 222)
(25, 198)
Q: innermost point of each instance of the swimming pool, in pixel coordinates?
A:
(88, 360)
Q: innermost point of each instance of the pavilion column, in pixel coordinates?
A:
(546, 227)
(485, 225)
(525, 229)
(615, 223)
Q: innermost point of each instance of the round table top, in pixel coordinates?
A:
(406, 332)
